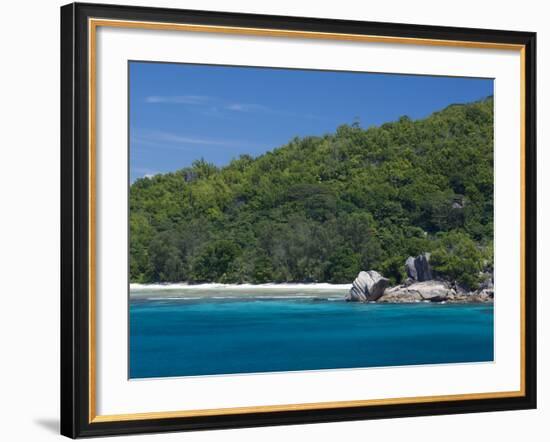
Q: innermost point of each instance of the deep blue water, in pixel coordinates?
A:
(223, 336)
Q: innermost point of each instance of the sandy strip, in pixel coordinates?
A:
(183, 290)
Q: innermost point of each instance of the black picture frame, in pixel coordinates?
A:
(75, 221)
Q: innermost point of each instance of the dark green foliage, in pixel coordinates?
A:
(458, 258)
(215, 261)
(343, 266)
(394, 269)
(324, 208)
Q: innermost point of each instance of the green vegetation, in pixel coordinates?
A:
(324, 208)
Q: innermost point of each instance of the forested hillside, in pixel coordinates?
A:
(324, 208)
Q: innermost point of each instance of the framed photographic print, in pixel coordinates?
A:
(275, 220)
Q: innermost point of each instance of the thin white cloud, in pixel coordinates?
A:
(170, 140)
(175, 138)
(217, 107)
(247, 107)
(259, 108)
(179, 99)
(204, 100)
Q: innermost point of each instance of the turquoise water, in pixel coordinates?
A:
(184, 337)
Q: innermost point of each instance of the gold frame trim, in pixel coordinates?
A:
(93, 24)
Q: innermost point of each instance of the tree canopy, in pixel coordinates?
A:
(324, 208)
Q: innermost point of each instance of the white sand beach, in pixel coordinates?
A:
(269, 290)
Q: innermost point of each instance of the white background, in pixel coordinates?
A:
(29, 238)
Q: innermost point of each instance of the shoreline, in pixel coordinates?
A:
(259, 291)
(245, 286)
(326, 291)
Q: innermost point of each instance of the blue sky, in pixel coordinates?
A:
(180, 112)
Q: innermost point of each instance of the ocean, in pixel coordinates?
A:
(267, 332)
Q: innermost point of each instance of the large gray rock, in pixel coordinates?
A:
(419, 269)
(400, 295)
(368, 286)
(433, 291)
(480, 296)
(410, 268)
(485, 295)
